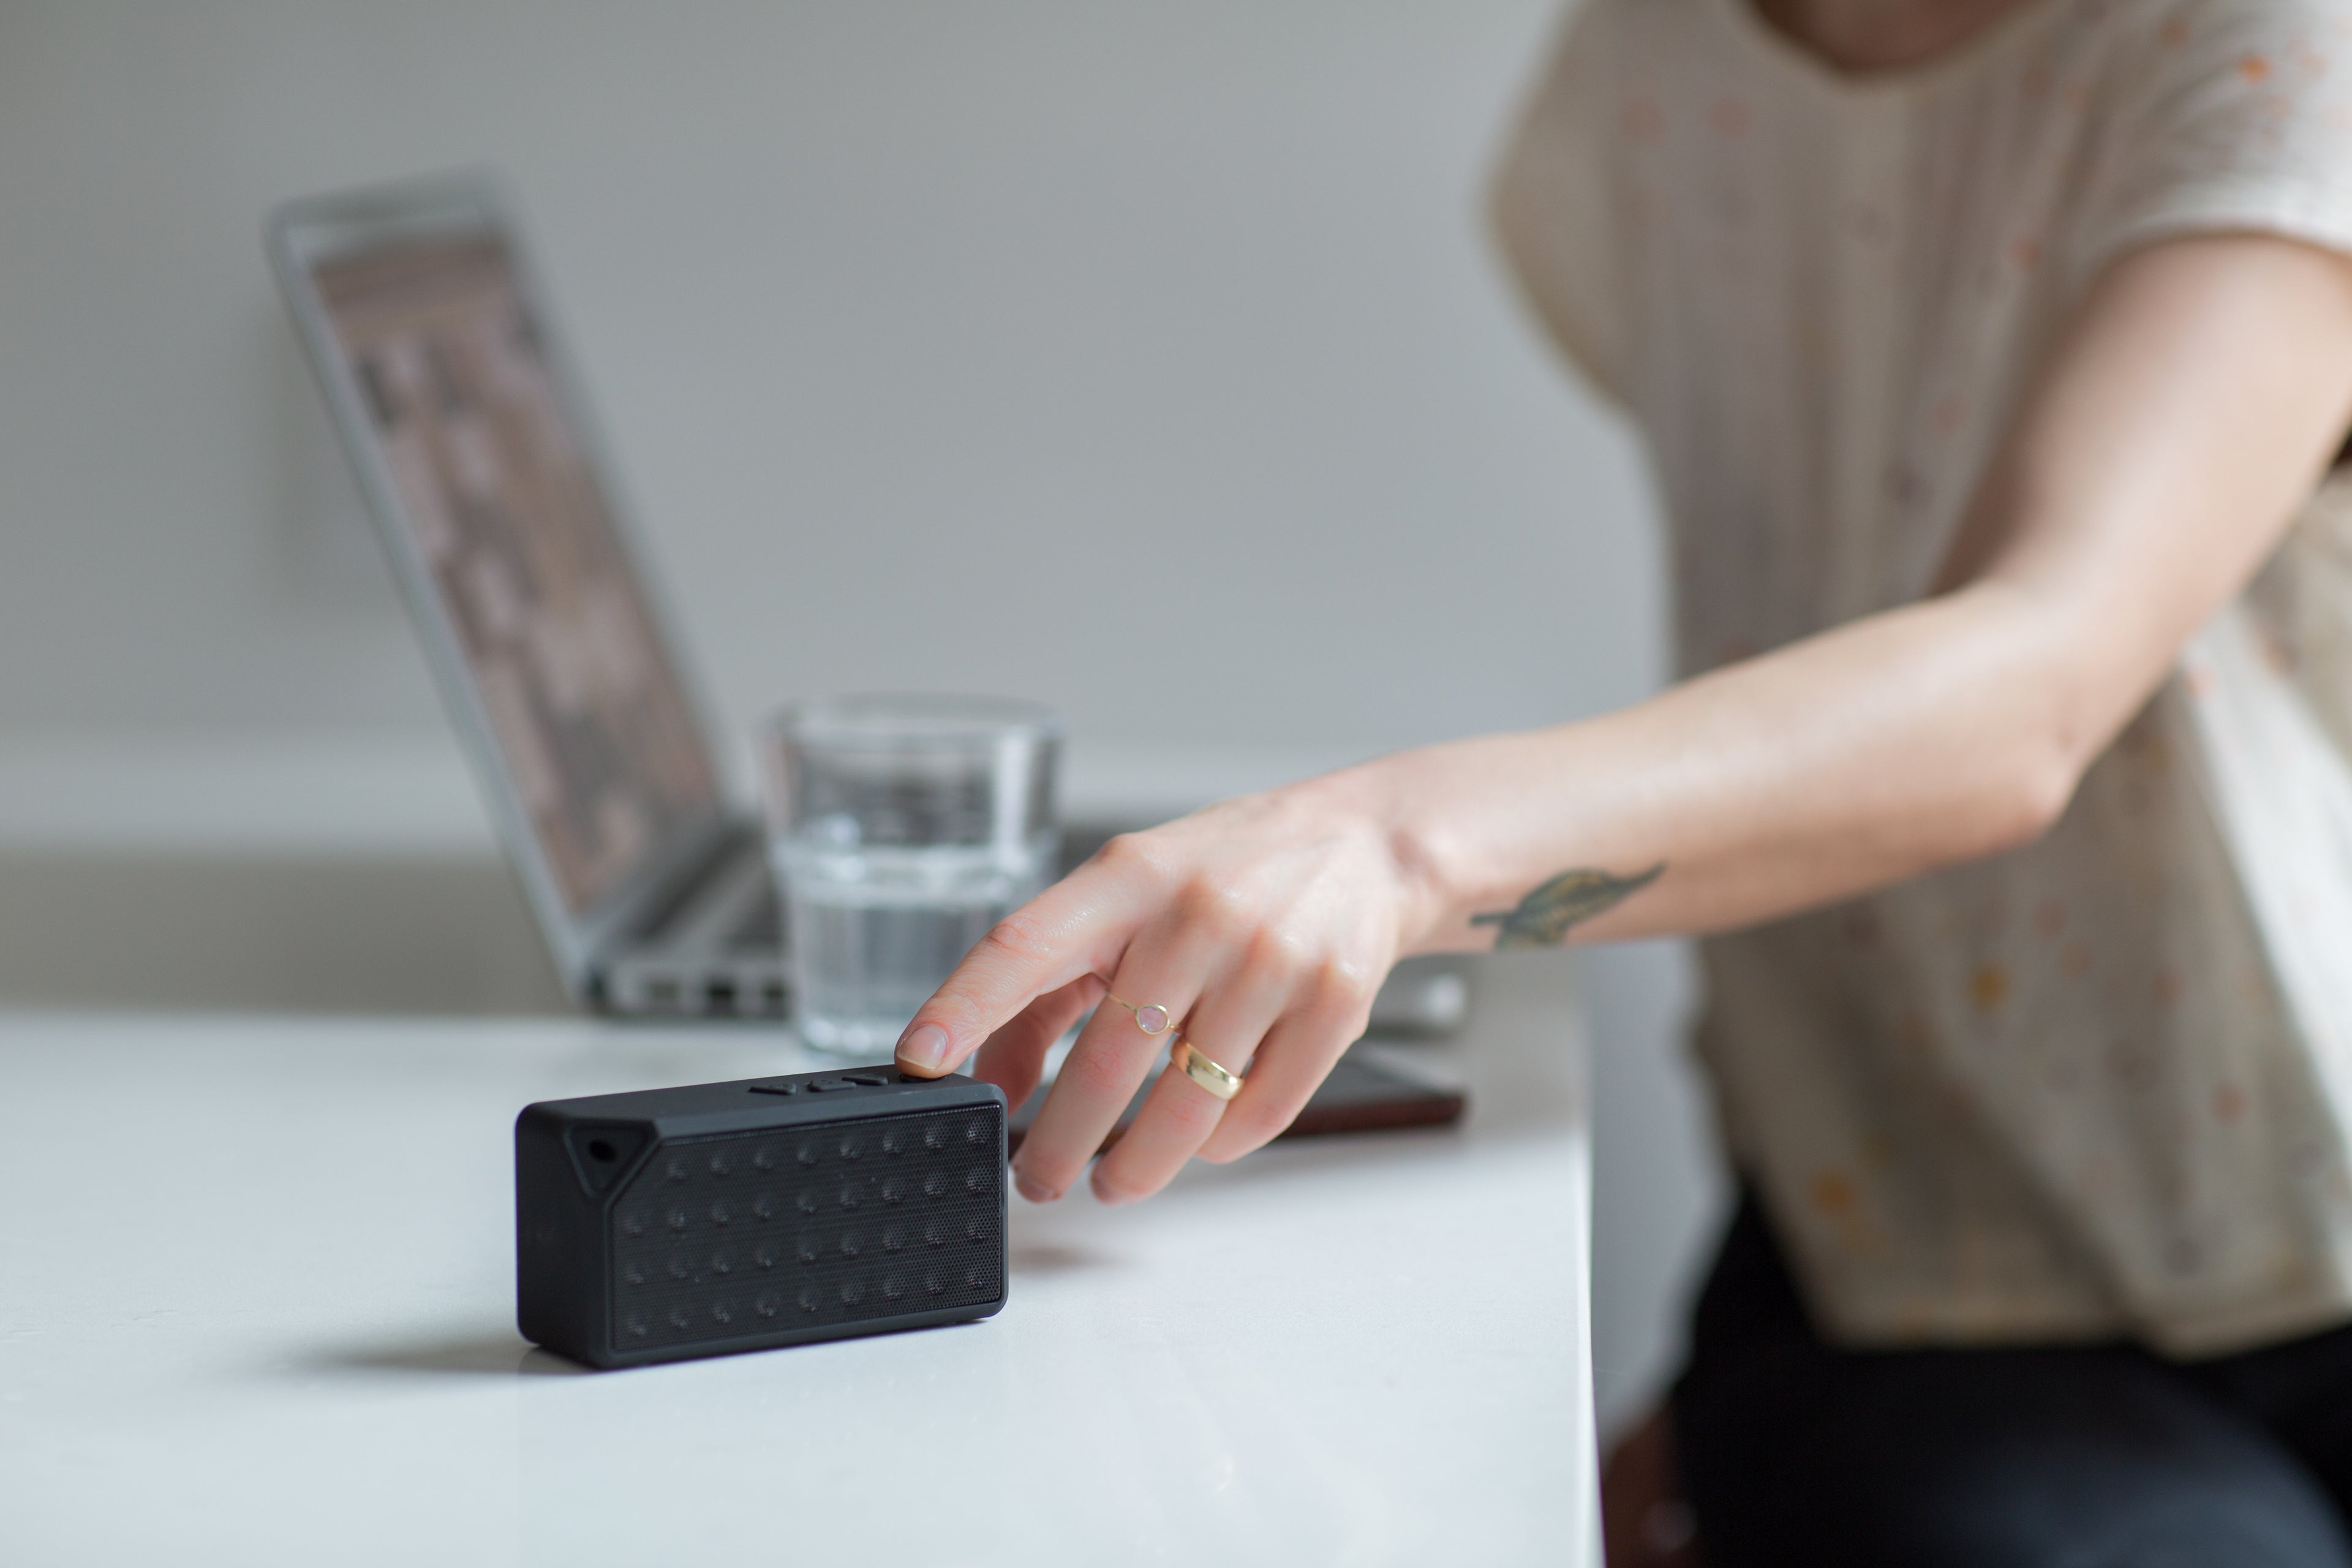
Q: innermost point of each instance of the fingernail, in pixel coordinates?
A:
(924, 1049)
(1105, 1193)
(1036, 1192)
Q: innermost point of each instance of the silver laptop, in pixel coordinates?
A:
(465, 420)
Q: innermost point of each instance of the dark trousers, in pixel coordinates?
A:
(1795, 1452)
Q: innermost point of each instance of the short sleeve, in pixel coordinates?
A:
(1551, 202)
(2236, 115)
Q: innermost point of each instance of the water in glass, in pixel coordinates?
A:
(875, 931)
(901, 829)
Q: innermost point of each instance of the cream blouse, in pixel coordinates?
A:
(2103, 1085)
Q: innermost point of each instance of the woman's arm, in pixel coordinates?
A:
(2181, 419)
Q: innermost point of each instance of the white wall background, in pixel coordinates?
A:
(1147, 358)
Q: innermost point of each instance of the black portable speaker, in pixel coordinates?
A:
(737, 1217)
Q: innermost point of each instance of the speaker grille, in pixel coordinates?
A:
(750, 1232)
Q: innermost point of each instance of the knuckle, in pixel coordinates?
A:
(1221, 909)
(1195, 1116)
(1282, 951)
(1094, 1073)
(1021, 935)
(1133, 855)
(1343, 986)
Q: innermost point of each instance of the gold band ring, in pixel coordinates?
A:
(1151, 1018)
(1187, 1058)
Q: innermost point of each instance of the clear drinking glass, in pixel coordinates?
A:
(901, 829)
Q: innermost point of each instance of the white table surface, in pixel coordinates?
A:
(257, 1307)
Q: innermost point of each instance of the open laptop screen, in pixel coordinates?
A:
(507, 514)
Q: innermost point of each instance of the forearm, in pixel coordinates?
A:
(1907, 741)
(2151, 469)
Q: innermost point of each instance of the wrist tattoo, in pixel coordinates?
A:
(1545, 916)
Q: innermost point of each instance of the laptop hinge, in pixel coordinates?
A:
(688, 885)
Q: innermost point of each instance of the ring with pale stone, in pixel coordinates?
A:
(1151, 1018)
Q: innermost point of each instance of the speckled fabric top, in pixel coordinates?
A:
(2101, 1086)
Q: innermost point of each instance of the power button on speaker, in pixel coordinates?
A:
(849, 1080)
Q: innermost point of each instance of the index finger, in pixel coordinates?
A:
(1080, 925)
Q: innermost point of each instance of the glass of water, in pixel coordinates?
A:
(901, 829)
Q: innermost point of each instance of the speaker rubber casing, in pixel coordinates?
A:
(721, 1217)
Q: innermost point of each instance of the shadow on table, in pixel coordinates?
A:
(468, 1356)
(1047, 1257)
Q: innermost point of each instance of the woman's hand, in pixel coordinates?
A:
(1263, 925)
(2193, 401)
